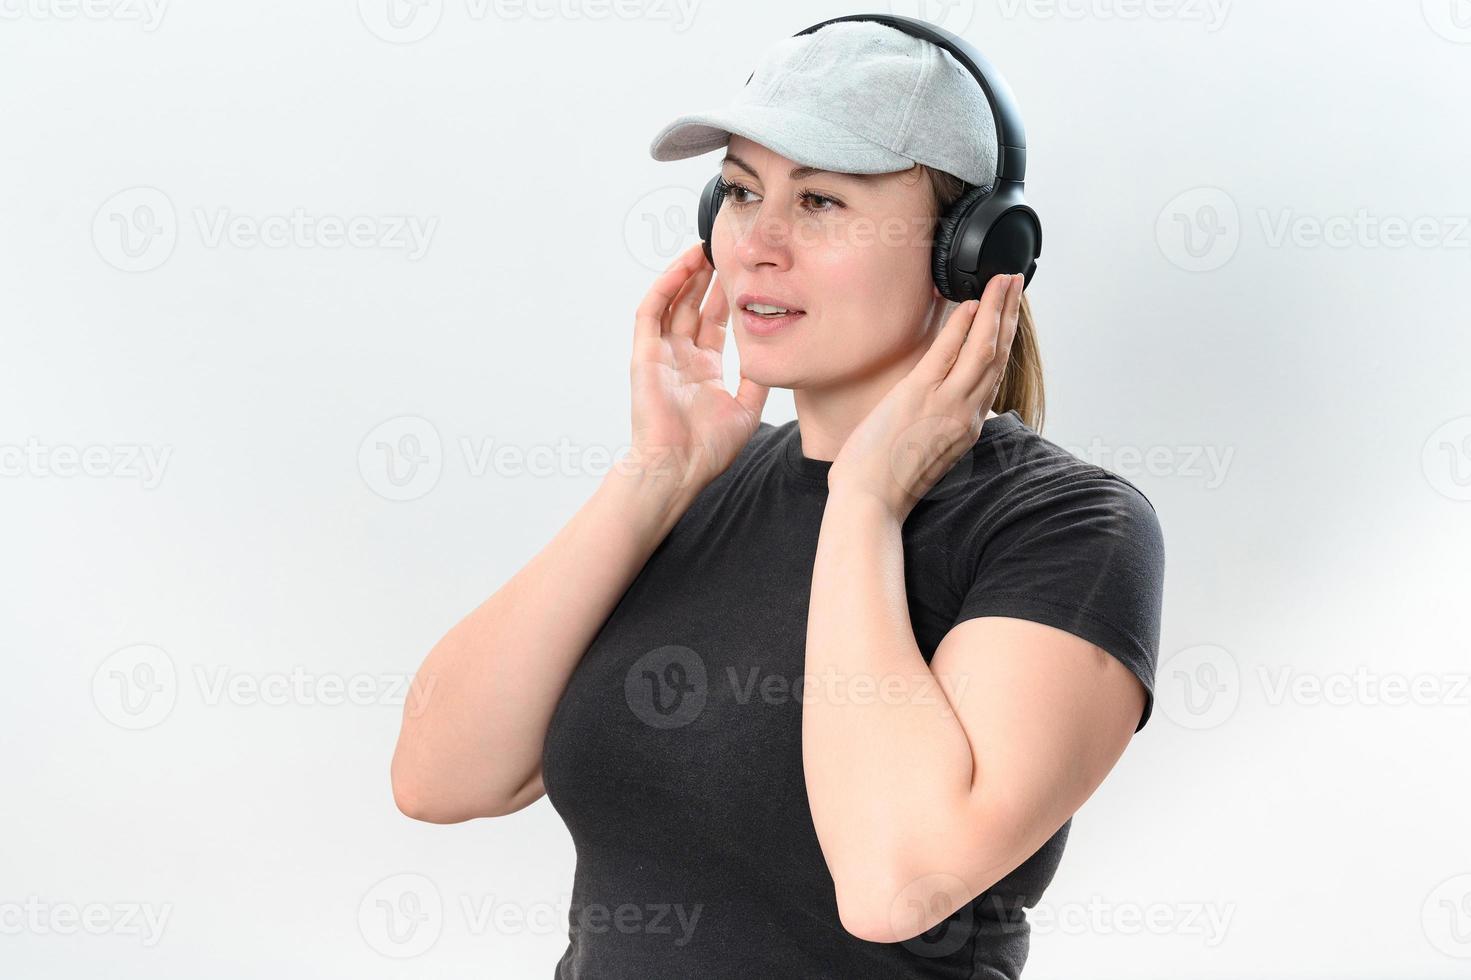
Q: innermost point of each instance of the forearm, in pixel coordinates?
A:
(493, 681)
(886, 762)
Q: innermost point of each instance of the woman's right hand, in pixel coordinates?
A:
(686, 425)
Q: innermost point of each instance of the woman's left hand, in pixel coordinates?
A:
(933, 416)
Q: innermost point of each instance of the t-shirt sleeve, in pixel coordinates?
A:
(1084, 554)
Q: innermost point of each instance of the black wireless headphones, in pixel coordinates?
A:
(990, 230)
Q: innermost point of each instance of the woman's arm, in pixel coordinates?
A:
(471, 747)
(471, 743)
(928, 783)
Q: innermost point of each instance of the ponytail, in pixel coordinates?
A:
(1021, 386)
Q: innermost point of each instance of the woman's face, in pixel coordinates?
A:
(850, 250)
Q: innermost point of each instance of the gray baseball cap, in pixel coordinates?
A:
(852, 97)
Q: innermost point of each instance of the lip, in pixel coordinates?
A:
(762, 326)
(745, 298)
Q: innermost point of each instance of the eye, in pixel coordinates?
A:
(734, 197)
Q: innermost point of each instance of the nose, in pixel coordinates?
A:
(763, 236)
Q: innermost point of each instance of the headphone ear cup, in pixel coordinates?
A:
(982, 236)
(947, 235)
(710, 199)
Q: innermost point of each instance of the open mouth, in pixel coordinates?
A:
(770, 312)
(765, 323)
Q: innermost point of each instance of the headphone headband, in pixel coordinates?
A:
(1011, 137)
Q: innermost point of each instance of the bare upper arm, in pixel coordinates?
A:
(526, 795)
(1047, 715)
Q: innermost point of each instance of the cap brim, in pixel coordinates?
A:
(807, 140)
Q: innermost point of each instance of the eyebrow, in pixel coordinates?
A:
(801, 172)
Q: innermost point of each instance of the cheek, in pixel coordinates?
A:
(887, 281)
(850, 276)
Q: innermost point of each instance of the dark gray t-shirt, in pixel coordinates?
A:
(675, 757)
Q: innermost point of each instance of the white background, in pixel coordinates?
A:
(1326, 374)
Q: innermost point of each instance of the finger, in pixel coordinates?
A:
(714, 318)
(936, 362)
(649, 319)
(684, 312)
(752, 395)
(681, 297)
(940, 360)
(981, 344)
(989, 383)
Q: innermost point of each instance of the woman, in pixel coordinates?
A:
(817, 699)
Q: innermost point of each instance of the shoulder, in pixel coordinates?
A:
(1023, 479)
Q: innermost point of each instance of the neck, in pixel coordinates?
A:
(827, 415)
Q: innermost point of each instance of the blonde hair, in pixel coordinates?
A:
(1021, 386)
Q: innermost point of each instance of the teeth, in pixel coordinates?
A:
(763, 308)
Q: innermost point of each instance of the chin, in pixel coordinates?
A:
(773, 371)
